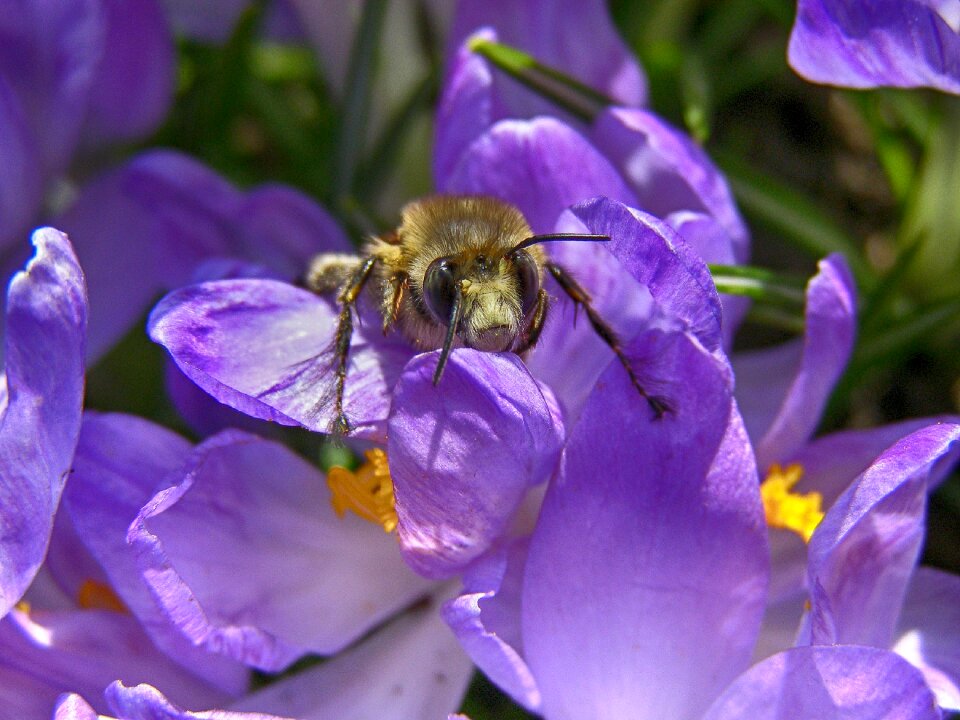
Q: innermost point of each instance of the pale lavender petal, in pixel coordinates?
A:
(928, 632)
(133, 85)
(574, 36)
(903, 43)
(486, 620)
(669, 172)
(44, 344)
(842, 682)
(21, 186)
(73, 707)
(656, 630)
(863, 553)
(144, 702)
(266, 349)
(264, 572)
(120, 462)
(781, 623)
(542, 166)
(463, 453)
(43, 654)
(828, 341)
(49, 53)
(412, 668)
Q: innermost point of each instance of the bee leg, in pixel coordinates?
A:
(347, 299)
(532, 334)
(581, 298)
(329, 272)
(397, 286)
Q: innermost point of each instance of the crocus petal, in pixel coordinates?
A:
(486, 619)
(49, 55)
(462, 454)
(843, 682)
(133, 85)
(576, 37)
(144, 702)
(48, 653)
(812, 371)
(864, 551)
(74, 707)
(412, 668)
(542, 166)
(657, 630)
(21, 185)
(669, 172)
(120, 461)
(928, 629)
(266, 349)
(264, 572)
(902, 43)
(46, 326)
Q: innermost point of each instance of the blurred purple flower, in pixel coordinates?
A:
(900, 43)
(41, 399)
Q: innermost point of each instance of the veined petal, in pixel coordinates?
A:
(463, 453)
(486, 619)
(656, 628)
(827, 344)
(842, 682)
(266, 349)
(903, 43)
(412, 668)
(132, 87)
(264, 572)
(120, 461)
(46, 330)
(541, 166)
(863, 553)
(928, 632)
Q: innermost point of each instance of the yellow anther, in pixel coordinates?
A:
(23, 606)
(95, 595)
(368, 492)
(787, 510)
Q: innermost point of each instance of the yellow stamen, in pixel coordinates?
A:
(23, 606)
(368, 492)
(787, 510)
(95, 595)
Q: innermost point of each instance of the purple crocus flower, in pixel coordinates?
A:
(41, 400)
(900, 43)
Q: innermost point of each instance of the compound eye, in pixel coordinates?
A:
(528, 275)
(439, 288)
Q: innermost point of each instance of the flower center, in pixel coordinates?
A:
(94, 595)
(368, 492)
(788, 510)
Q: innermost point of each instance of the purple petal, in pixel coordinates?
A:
(828, 341)
(43, 395)
(266, 349)
(843, 682)
(21, 184)
(133, 85)
(542, 166)
(264, 572)
(928, 629)
(486, 620)
(73, 707)
(558, 40)
(650, 553)
(48, 653)
(119, 463)
(413, 668)
(462, 454)
(901, 43)
(144, 702)
(213, 21)
(864, 551)
(49, 53)
(669, 173)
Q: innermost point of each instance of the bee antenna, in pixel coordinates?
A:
(456, 311)
(554, 237)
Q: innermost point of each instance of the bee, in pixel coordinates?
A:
(459, 271)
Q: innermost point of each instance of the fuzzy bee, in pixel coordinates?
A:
(459, 271)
